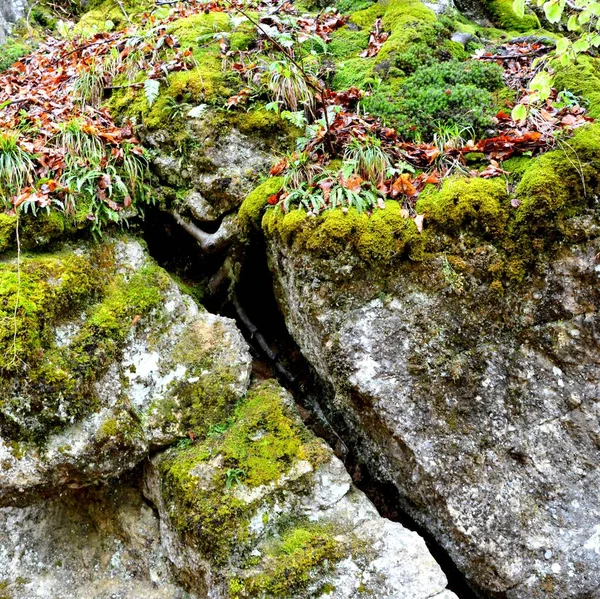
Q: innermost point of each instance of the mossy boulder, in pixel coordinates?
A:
(261, 508)
(103, 357)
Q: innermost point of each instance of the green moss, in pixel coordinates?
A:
(366, 17)
(12, 50)
(205, 83)
(263, 440)
(108, 15)
(118, 430)
(260, 122)
(302, 553)
(190, 29)
(516, 166)
(8, 224)
(504, 16)
(401, 18)
(253, 206)
(386, 234)
(582, 79)
(559, 184)
(356, 72)
(477, 204)
(207, 394)
(58, 378)
(347, 43)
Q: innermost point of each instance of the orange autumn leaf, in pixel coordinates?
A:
(353, 182)
(403, 185)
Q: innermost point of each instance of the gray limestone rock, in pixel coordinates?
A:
(149, 397)
(364, 554)
(10, 12)
(482, 410)
(97, 543)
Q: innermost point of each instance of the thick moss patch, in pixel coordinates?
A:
(48, 369)
(503, 15)
(252, 208)
(204, 83)
(259, 443)
(293, 562)
(464, 214)
(582, 79)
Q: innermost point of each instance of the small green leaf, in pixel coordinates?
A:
(562, 45)
(554, 10)
(584, 17)
(519, 112)
(542, 83)
(581, 45)
(151, 87)
(572, 24)
(519, 8)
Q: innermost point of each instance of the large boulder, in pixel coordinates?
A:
(464, 361)
(261, 508)
(104, 358)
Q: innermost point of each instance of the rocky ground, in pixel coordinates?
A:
(150, 438)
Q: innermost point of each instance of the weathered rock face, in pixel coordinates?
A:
(262, 509)
(248, 503)
(10, 12)
(214, 164)
(98, 543)
(482, 409)
(130, 365)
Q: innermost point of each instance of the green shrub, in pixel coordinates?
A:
(450, 93)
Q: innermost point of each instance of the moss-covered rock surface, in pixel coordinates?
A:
(261, 508)
(103, 358)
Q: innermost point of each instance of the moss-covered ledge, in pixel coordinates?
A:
(522, 222)
(213, 487)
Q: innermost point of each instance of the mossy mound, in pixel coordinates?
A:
(204, 83)
(385, 235)
(292, 562)
(503, 15)
(109, 15)
(582, 79)
(65, 317)
(480, 205)
(212, 487)
(463, 214)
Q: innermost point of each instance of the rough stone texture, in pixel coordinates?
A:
(218, 170)
(10, 12)
(385, 561)
(98, 543)
(134, 414)
(484, 411)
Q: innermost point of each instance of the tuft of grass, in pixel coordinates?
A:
(368, 158)
(288, 85)
(16, 165)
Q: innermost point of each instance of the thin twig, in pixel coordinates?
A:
(124, 11)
